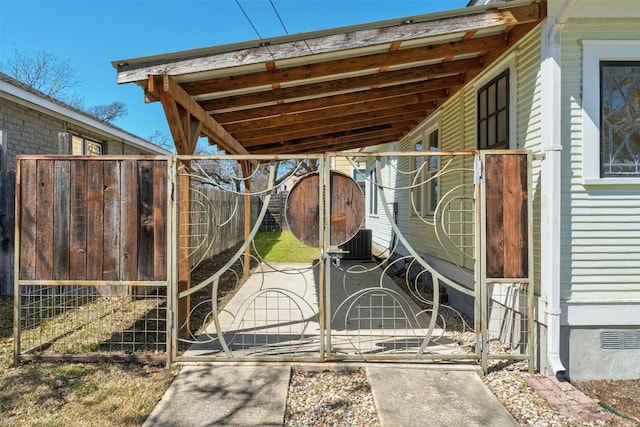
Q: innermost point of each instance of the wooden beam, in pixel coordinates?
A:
(263, 137)
(346, 65)
(324, 142)
(297, 121)
(410, 89)
(210, 127)
(355, 84)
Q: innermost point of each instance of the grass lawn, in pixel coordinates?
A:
(283, 247)
(74, 394)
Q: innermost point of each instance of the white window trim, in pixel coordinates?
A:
(431, 124)
(508, 63)
(594, 51)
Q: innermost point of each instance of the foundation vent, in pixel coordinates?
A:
(620, 340)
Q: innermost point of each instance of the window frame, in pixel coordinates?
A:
(593, 53)
(508, 63)
(86, 143)
(422, 196)
(494, 82)
(373, 191)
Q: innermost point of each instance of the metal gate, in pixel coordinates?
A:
(448, 278)
(150, 258)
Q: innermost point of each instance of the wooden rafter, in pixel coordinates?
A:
(171, 95)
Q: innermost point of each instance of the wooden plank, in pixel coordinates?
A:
(345, 104)
(129, 220)
(28, 223)
(359, 83)
(347, 208)
(7, 225)
(145, 220)
(160, 220)
(78, 221)
(515, 216)
(303, 210)
(95, 220)
(494, 216)
(61, 211)
(111, 243)
(44, 213)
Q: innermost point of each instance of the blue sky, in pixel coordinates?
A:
(92, 33)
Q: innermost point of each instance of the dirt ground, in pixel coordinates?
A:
(621, 396)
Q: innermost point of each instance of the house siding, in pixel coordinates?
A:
(600, 227)
(458, 132)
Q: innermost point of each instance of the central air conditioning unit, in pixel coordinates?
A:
(359, 247)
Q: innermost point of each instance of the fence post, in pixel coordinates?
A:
(7, 213)
(3, 151)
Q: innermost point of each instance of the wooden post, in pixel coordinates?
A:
(184, 267)
(3, 151)
(246, 172)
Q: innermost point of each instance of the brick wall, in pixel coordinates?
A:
(32, 132)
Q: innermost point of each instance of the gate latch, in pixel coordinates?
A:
(336, 255)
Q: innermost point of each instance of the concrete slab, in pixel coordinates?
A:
(418, 396)
(224, 395)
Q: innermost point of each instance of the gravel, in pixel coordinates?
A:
(330, 398)
(343, 398)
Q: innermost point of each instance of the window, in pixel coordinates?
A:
(360, 176)
(85, 147)
(611, 104)
(493, 113)
(373, 192)
(619, 114)
(425, 192)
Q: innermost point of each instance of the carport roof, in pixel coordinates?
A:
(332, 90)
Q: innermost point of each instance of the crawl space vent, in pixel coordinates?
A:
(620, 340)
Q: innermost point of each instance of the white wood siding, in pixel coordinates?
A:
(600, 227)
(458, 132)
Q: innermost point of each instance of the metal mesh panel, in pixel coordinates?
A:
(82, 320)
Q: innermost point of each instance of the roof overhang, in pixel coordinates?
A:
(331, 90)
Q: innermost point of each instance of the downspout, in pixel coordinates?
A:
(551, 186)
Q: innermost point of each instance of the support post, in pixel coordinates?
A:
(184, 267)
(246, 173)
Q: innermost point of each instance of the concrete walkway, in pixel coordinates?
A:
(256, 394)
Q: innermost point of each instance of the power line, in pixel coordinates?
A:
(279, 19)
(285, 28)
(248, 19)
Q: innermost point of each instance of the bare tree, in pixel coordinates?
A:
(45, 73)
(42, 71)
(108, 113)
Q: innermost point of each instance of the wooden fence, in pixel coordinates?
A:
(217, 221)
(83, 219)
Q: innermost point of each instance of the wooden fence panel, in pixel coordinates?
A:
(507, 216)
(84, 219)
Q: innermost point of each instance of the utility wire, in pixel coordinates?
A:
(248, 19)
(279, 19)
(258, 33)
(285, 28)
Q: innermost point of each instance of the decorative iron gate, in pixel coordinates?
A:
(391, 306)
(448, 275)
